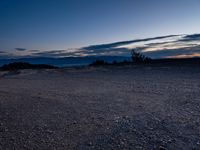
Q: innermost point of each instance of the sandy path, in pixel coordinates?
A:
(104, 108)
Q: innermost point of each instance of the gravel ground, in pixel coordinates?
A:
(102, 108)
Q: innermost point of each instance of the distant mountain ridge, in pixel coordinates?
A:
(64, 62)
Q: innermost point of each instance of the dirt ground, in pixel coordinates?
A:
(100, 108)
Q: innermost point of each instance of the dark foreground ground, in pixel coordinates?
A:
(103, 108)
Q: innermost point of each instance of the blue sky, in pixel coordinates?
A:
(71, 25)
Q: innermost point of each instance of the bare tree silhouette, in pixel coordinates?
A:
(138, 57)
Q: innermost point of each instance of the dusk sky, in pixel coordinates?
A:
(71, 25)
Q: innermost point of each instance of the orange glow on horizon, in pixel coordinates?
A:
(185, 56)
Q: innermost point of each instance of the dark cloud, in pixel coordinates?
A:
(46, 54)
(112, 51)
(113, 45)
(193, 37)
(20, 49)
(33, 50)
(54, 53)
(5, 55)
(156, 47)
(159, 43)
(172, 52)
(65, 53)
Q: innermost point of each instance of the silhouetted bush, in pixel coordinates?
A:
(125, 62)
(138, 58)
(121, 63)
(114, 63)
(99, 63)
(24, 65)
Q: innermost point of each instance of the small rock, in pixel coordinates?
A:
(90, 143)
(162, 148)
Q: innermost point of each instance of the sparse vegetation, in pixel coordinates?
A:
(138, 58)
(114, 63)
(24, 65)
(99, 63)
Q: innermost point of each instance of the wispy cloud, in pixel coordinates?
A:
(20, 49)
(58, 53)
(169, 53)
(193, 37)
(119, 44)
(185, 55)
(158, 47)
(5, 55)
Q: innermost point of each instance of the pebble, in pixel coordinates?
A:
(162, 148)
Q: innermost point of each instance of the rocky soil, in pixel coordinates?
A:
(100, 108)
